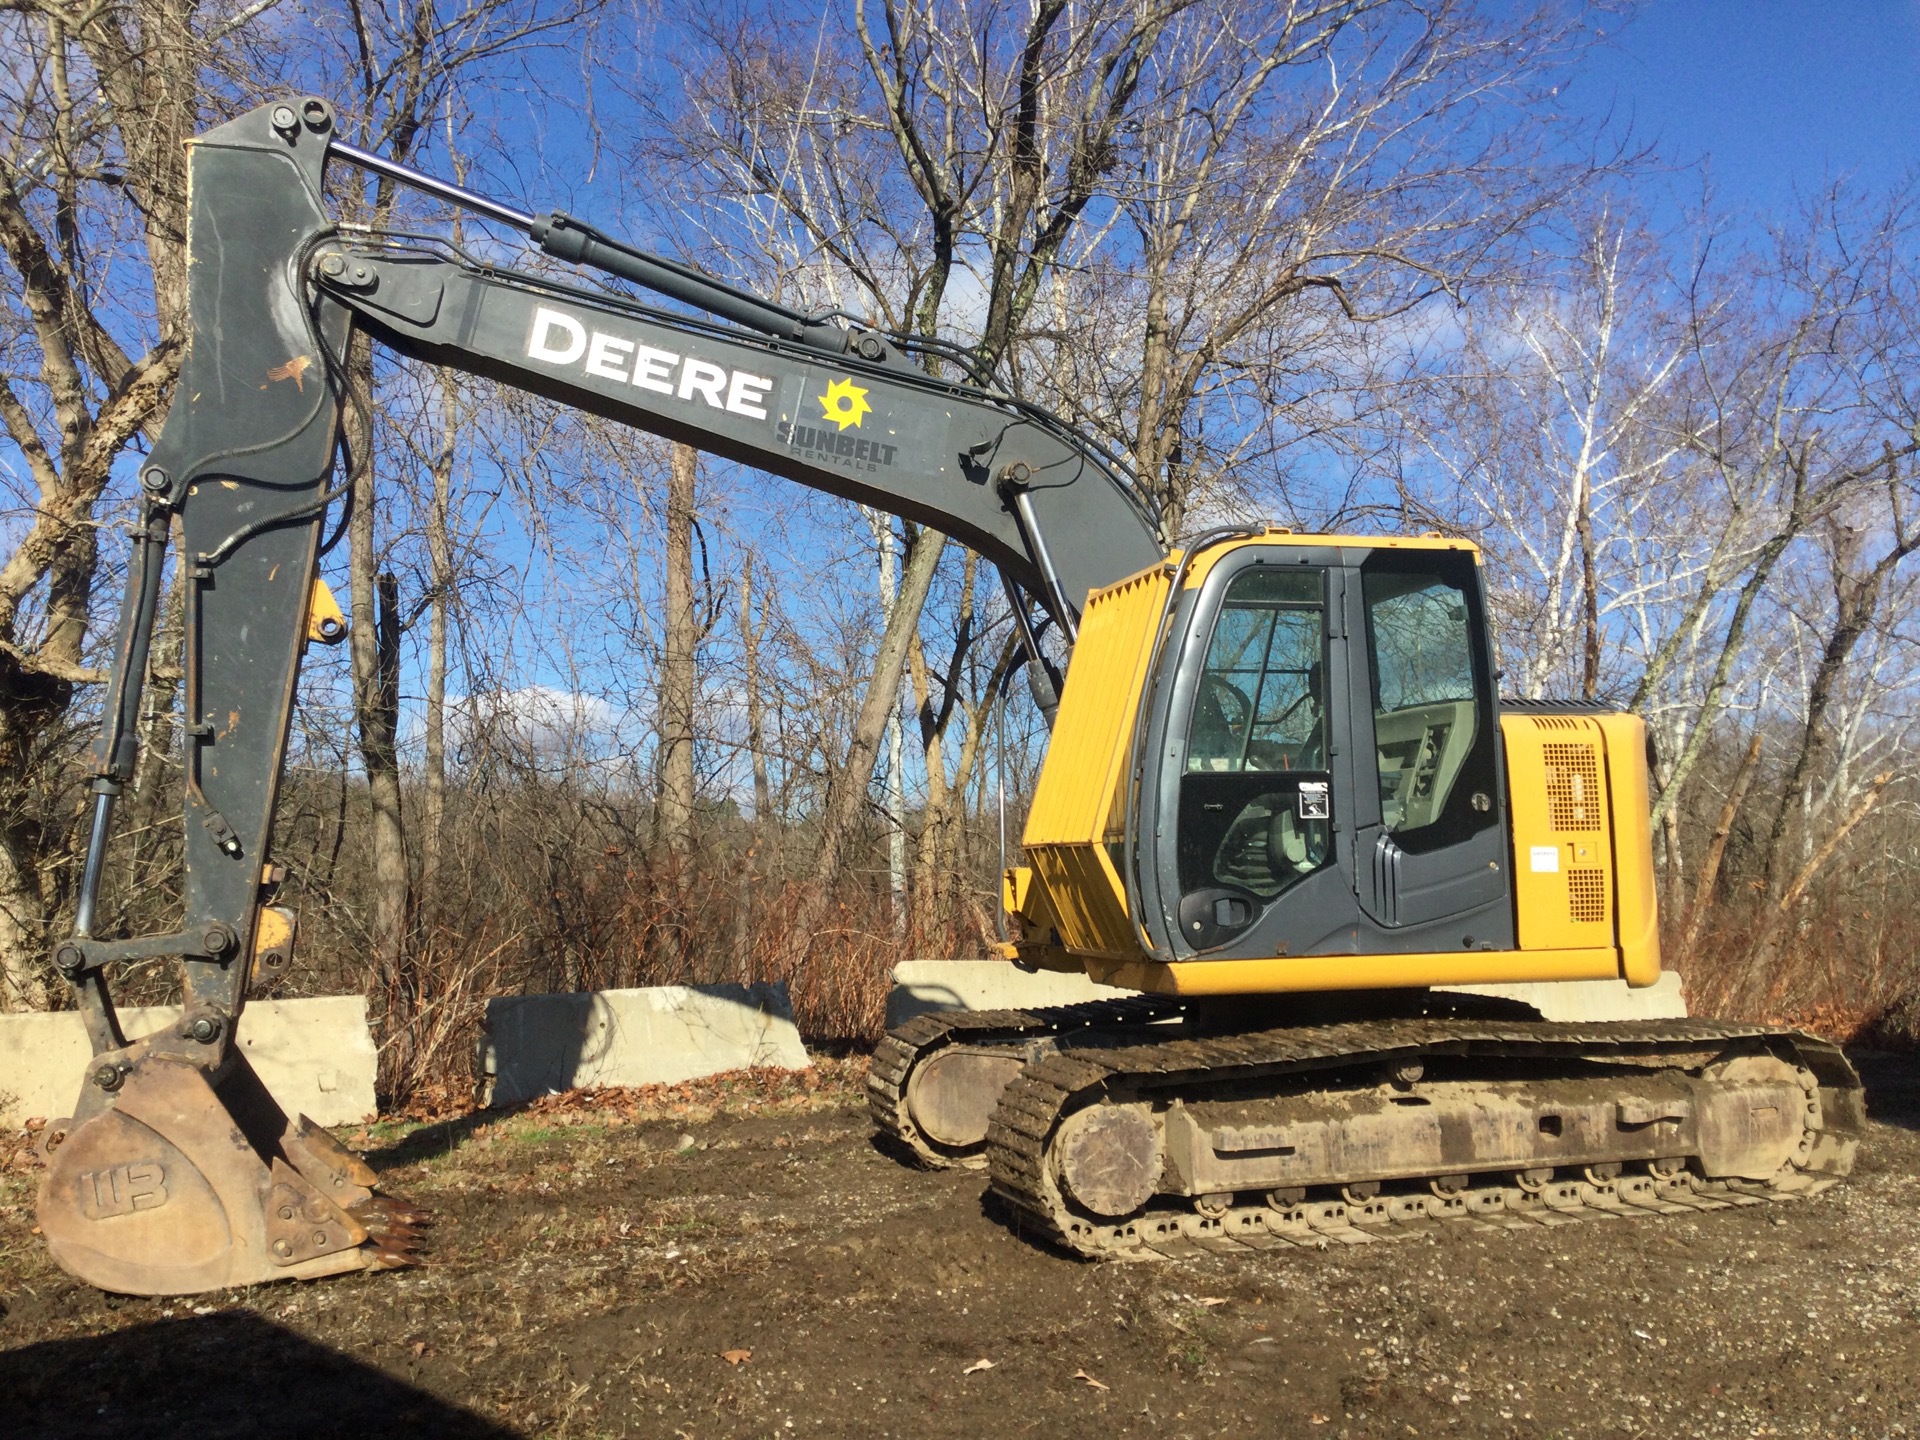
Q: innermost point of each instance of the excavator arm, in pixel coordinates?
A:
(177, 1172)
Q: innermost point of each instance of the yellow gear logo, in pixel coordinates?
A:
(845, 403)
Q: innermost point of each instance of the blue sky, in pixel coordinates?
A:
(1773, 95)
(1768, 97)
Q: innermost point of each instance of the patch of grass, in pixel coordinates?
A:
(387, 1132)
(537, 1134)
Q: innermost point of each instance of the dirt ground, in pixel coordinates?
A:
(747, 1262)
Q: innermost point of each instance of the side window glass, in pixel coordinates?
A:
(1426, 703)
(1255, 813)
(1261, 703)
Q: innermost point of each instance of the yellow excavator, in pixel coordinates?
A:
(1282, 800)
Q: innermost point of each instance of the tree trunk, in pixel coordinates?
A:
(882, 529)
(972, 741)
(151, 795)
(1770, 944)
(1856, 603)
(673, 818)
(1150, 440)
(1589, 595)
(1717, 848)
(1862, 807)
(938, 866)
(1732, 642)
(439, 602)
(847, 793)
(897, 822)
(375, 648)
(23, 980)
(928, 860)
(750, 634)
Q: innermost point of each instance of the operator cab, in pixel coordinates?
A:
(1335, 782)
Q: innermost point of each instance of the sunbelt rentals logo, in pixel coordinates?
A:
(843, 406)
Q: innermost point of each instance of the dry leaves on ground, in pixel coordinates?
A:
(828, 1081)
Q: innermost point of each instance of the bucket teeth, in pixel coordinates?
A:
(389, 1212)
(389, 1257)
(378, 1210)
(392, 1255)
(395, 1231)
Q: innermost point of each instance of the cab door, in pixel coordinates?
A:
(1430, 843)
(1320, 774)
(1255, 807)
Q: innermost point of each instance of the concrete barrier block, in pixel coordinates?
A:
(1590, 1001)
(315, 1056)
(923, 985)
(540, 1044)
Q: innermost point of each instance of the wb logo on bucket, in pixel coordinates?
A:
(140, 1185)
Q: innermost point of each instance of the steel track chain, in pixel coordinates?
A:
(1032, 1106)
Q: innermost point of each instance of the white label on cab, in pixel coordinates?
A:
(1545, 860)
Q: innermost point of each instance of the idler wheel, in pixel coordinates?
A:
(952, 1095)
(1108, 1158)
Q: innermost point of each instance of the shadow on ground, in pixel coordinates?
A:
(1892, 1084)
(435, 1141)
(213, 1377)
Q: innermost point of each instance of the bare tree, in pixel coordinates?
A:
(957, 690)
(440, 585)
(752, 633)
(406, 61)
(883, 544)
(1869, 536)
(1695, 480)
(1790, 425)
(1197, 172)
(679, 680)
(1545, 425)
(1302, 172)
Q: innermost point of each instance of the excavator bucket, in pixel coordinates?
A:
(182, 1183)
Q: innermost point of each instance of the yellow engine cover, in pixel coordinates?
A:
(1581, 877)
(1562, 835)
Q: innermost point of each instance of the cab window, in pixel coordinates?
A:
(1255, 812)
(1430, 705)
(1259, 705)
